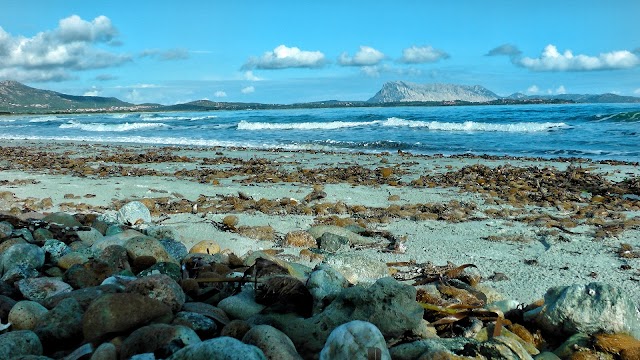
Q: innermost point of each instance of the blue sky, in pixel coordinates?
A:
(298, 51)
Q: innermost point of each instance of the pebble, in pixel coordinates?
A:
(28, 254)
(24, 315)
(63, 219)
(20, 343)
(39, 289)
(133, 213)
(273, 342)
(219, 348)
(159, 287)
(353, 340)
(205, 247)
(160, 339)
(356, 267)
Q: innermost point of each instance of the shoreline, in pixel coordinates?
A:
(435, 204)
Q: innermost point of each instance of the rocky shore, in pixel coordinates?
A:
(111, 252)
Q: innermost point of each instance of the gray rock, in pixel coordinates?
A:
(324, 284)
(176, 249)
(203, 325)
(42, 234)
(222, 348)
(273, 342)
(588, 309)
(26, 314)
(354, 239)
(28, 254)
(170, 269)
(106, 351)
(62, 326)
(83, 296)
(356, 267)
(236, 329)
(146, 246)
(207, 310)
(354, 339)
(386, 299)
(56, 249)
(119, 238)
(241, 306)
(160, 339)
(113, 230)
(63, 219)
(162, 232)
(121, 312)
(18, 343)
(6, 229)
(19, 272)
(25, 234)
(160, 287)
(134, 212)
(90, 236)
(38, 289)
(333, 243)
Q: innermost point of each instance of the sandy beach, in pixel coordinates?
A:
(526, 224)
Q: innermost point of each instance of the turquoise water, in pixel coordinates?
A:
(596, 131)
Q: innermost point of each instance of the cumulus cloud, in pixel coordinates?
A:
(422, 54)
(93, 92)
(283, 57)
(166, 55)
(533, 89)
(249, 75)
(366, 56)
(220, 94)
(53, 55)
(505, 49)
(561, 90)
(637, 91)
(248, 90)
(552, 60)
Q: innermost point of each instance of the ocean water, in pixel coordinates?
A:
(595, 131)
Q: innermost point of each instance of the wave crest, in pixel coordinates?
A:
(475, 126)
(245, 125)
(102, 127)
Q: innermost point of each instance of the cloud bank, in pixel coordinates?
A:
(366, 56)
(53, 55)
(553, 60)
(283, 57)
(422, 54)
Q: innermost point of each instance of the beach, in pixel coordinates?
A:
(526, 224)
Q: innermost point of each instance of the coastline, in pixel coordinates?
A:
(520, 248)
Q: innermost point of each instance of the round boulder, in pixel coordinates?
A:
(133, 213)
(219, 348)
(160, 339)
(205, 247)
(24, 315)
(160, 287)
(354, 339)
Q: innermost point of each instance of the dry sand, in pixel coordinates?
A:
(533, 256)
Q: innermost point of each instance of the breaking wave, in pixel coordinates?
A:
(101, 127)
(332, 125)
(476, 126)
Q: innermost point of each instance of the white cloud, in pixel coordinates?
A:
(561, 90)
(250, 76)
(54, 54)
(505, 49)
(533, 89)
(248, 90)
(283, 57)
(366, 56)
(637, 91)
(422, 54)
(552, 60)
(92, 93)
(220, 94)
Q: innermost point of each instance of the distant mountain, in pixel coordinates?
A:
(19, 98)
(579, 98)
(400, 91)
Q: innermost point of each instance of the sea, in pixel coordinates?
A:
(592, 131)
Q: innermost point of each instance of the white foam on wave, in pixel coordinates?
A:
(475, 126)
(102, 127)
(160, 117)
(45, 119)
(245, 125)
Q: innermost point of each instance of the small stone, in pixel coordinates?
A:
(176, 249)
(207, 310)
(25, 315)
(354, 239)
(273, 342)
(163, 233)
(160, 339)
(89, 237)
(324, 284)
(230, 221)
(204, 326)
(91, 273)
(19, 343)
(69, 259)
(6, 229)
(62, 326)
(106, 351)
(121, 312)
(353, 340)
(55, 249)
(63, 219)
(133, 213)
(300, 238)
(38, 289)
(19, 272)
(25, 234)
(241, 306)
(333, 243)
(146, 246)
(236, 329)
(160, 287)
(41, 235)
(205, 247)
(357, 268)
(219, 348)
(28, 254)
(170, 269)
(6, 304)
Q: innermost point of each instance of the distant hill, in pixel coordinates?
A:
(19, 98)
(579, 98)
(400, 91)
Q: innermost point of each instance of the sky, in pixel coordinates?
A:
(300, 51)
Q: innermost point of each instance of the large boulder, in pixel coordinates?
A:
(591, 308)
(19, 343)
(133, 213)
(273, 342)
(160, 339)
(354, 339)
(222, 348)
